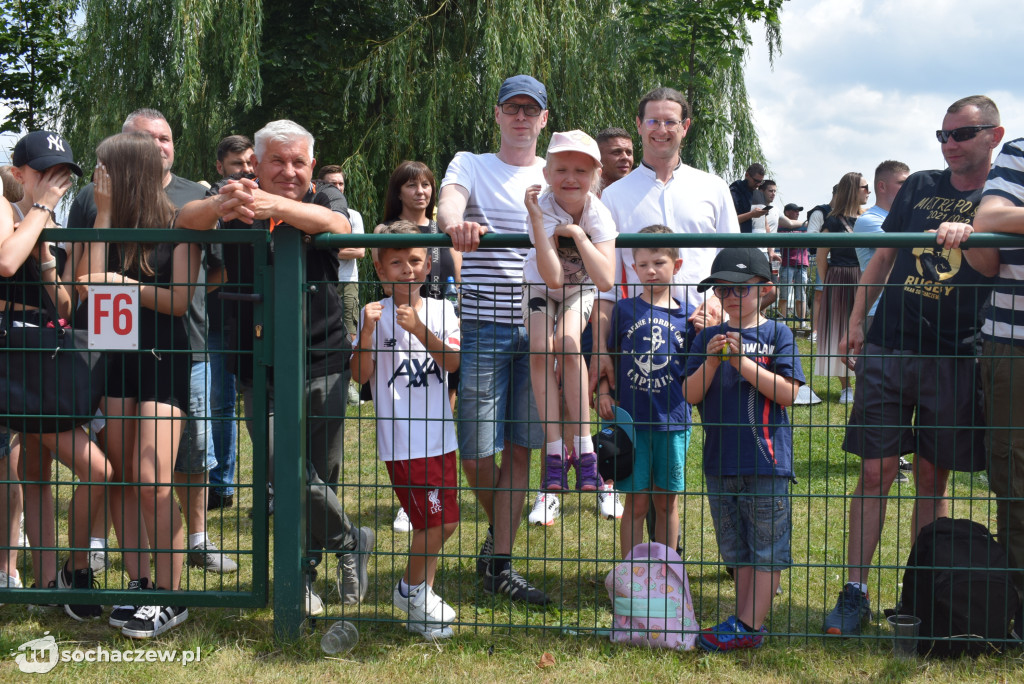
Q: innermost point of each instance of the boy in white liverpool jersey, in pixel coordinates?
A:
(407, 346)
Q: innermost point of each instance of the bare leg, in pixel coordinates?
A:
(193, 499)
(575, 382)
(77, 452)
(11, 507)
(542, 375)
(124, 495)
(754, 593)
(631, 532)
(40, 518)
(159, 435)
(423, 553)
(867, 513)
(931, 502)
(513, 480)
(666, 529)
(482, 476)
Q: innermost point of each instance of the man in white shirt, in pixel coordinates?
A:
(484, 193)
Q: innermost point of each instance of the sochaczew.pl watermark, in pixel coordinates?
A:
(39, 656)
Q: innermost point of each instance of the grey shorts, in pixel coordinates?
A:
(925, 405)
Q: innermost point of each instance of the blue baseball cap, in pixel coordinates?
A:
(523, 85)
(614, 445)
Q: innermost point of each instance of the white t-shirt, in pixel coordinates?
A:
(492, 279)
(596, 221)
(347, 268)
(765, 224)
(410, 389)
(691, 201)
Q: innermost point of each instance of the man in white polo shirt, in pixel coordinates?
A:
(663, 190)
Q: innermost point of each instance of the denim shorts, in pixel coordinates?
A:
(753, 521)
(792, 284)
(659, 458)
(195, 452)
(496, 401)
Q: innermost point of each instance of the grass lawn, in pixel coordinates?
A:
(496, 641)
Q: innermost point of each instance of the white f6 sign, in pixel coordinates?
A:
(113, 317)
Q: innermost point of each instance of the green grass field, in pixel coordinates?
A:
(497, 641)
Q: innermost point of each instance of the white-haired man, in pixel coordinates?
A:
(282, 193)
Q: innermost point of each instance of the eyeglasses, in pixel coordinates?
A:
(865, 187)
(513, 108)
(739, 291)
(669, 124)
(962, 134)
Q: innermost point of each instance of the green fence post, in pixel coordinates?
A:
(289, 333)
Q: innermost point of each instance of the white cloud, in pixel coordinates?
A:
(862, 81)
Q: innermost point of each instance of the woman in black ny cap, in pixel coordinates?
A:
(33, 292)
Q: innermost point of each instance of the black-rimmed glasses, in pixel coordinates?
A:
(513, 108)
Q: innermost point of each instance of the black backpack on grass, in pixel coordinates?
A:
(959, 583)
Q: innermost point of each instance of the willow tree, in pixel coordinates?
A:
(195, 60)
(34, 52)
(700, 47)
(380, 81)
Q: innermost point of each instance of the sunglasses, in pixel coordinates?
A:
(739, 291)
(962, 134)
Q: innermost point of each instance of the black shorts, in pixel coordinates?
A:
(931, 406)
(162, 377)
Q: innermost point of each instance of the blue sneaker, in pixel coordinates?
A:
(852, 610)
(730, 635)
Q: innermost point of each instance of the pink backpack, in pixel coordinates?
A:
(650, 594)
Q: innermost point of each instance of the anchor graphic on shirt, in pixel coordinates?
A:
(645, 362)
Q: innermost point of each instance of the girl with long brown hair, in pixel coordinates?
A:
(148, 389)
(840, 271)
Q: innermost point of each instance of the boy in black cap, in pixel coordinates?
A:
(743, 374)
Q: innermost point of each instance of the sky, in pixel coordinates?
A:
(862, 81)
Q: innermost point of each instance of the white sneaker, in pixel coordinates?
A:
(9, 582)
(545, 509)
(846, 396)
(426, 611)
(608, 501)
(314, 604)
(805, 396)
(402, 522)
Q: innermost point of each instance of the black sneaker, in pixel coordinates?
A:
(122, 614)
(151, 621)
(486, 551)
(79, 579)
(510, 582)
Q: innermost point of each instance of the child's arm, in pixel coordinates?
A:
(548, 264)
(777, 388)
(446, 356)
(598, 259)
(362, 362)
(697, 383)
(605, 403)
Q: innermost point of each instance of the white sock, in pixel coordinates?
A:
(196, 539)
(556, 448)
(97, 543)
(863, 587)
(584, 444)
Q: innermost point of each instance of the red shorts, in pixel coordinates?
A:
(427, 488)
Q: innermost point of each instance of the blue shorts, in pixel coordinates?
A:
(496, 403)
(195, 452)
(659, 458)
(753, 520)
(792, 284)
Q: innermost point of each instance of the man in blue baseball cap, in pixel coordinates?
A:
(484, 193)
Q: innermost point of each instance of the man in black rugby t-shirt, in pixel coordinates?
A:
(282, 193)
(918, 389)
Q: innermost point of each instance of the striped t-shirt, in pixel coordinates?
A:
(1004, 321)
(492, 279)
